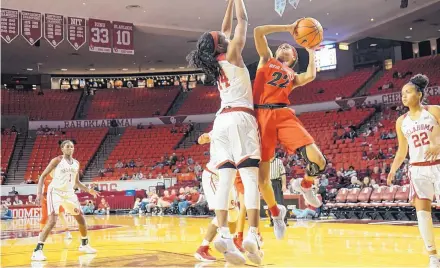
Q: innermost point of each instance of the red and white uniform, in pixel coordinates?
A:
(424, 176)
(60, 191)
(235, 134)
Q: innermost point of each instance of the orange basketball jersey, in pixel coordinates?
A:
(272, 84)
(47, 181)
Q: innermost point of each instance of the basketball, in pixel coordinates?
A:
(308, 33)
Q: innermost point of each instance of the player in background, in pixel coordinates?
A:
(274, 81)
(235, 138)
(45, 216)
(61, 193)
(236, 219)
(418, 130)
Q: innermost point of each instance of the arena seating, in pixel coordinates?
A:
(131, 102)
(429, 66)
(53, 105)
(382, 203)
(8, 143)
(149, 145)
(345, 86)
(47, 147)
(201, 100)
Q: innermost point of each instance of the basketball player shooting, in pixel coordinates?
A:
(418, 130)
(235, 137)
(61, 193)
(274, 81)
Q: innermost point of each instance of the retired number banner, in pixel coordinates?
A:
(76, 32)
(54, 29)
(31, 26)
(100, 36)
(10, 24)
(123, 38)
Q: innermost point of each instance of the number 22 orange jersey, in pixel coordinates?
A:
(272, 83)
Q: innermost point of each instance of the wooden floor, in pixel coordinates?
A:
(140, 241)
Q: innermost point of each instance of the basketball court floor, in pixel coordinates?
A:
(142, 241)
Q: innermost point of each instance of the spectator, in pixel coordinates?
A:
(373, 184)
(389, 154)
(391, 135)
(131, 164)
(139, 162)
(364, 155)
(88, 208)
(8, 202)
(103, 208)
(173, 159)
(140, 126)
(166, 200)
(124, 177)
(366, 182)
(305, 213)
(190, 161)
(350, 172)
(17, 201)
(5, 213)
(380, 155)
(13, 191)
(355, 183)
(150, 126)
(193, 199)
(330, 170)
(136, 206)
(384, 135)
(371, 154)
(369, 132)
(119, 164)
(197, 168)
(30, 200)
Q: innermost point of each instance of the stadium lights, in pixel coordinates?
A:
(29, 69)
(63, 69)
(343, 46)
(373, 45)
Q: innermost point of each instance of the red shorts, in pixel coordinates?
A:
(44, 213)
(280, 125)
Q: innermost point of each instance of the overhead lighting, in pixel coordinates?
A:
(328, 13)
(337, 33)
(124, 69)
(410, 28)
(372, 19)
(134, 63)
(408, 37)
(63, 69)
(373, 45)
(84, 3)
(92, 69)
(181, 67)
(152, 69)
(343, 46)
(29, 69)
(438, 30)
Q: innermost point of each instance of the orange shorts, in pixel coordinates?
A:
(280, 125)
(238, 183)
(44, 214)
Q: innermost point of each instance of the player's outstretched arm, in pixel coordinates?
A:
(237, 44)
(52, 165)
(401, 152)
(227, 20)
(310, 74)
(261, 44)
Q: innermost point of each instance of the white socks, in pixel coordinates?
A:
(426, 229)
(205, 243)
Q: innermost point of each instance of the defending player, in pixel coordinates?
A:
(61, 193)
(235, 137)
(418, 130)
(274, 81)
(235, 217)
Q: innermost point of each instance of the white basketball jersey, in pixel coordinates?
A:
(64, 175)
(234, 85)
(418, 133)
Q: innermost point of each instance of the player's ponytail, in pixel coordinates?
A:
(204, 57)
(420, 82)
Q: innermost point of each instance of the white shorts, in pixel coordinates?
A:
(68, 200)
(235, 137)
(210, 185)
(424, 182)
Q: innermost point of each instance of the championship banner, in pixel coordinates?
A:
(10, 24)
(397, 96)
(123, 39)
(173, 119)
(76, 32)
(54, 29)
(100, 36)
(350, 103)
(31, 26)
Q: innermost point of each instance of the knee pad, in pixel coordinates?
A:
(250, 162)
(312, 169)
(226, 179)
(227, 165)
